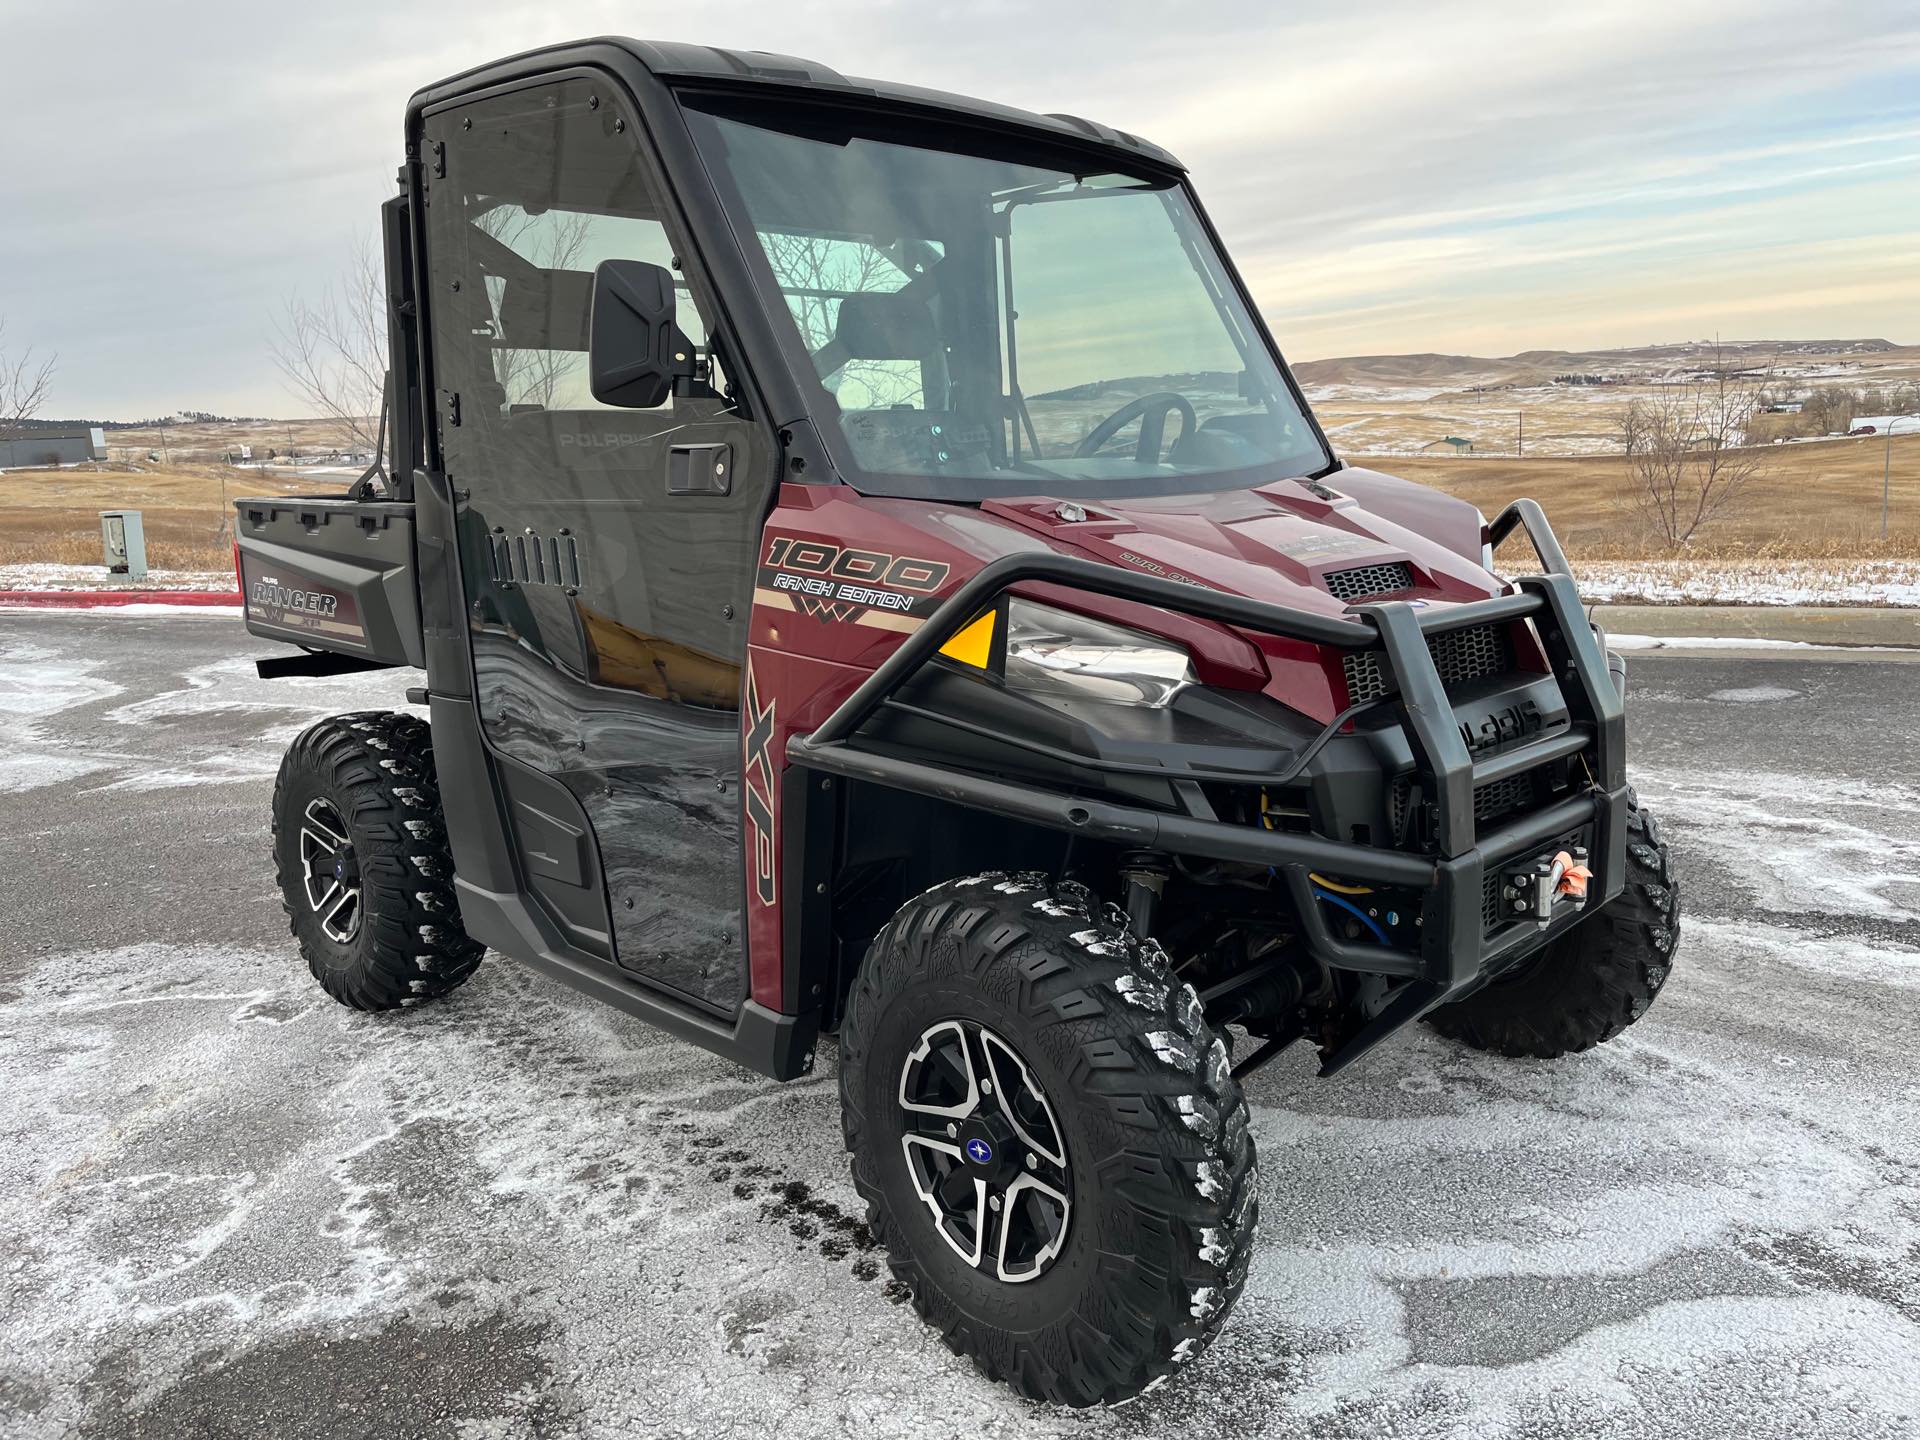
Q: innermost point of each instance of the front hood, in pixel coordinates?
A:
(1279, 542)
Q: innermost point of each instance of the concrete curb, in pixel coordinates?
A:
(92, 599)
(1839, 625)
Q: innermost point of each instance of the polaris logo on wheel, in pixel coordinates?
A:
(314, 602)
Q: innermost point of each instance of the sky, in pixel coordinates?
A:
(1473, 177)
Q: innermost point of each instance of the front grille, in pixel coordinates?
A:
(1471, 654)
(1364, 580)
(1490, 912)
(1459, 656)
(1502, 797)
(1495, 800)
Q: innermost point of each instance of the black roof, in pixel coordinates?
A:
(676, 62)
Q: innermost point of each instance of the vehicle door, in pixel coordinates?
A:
(606, 554)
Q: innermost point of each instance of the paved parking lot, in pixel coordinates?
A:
(229, 1207)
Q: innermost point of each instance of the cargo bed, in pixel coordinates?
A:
(331, 574)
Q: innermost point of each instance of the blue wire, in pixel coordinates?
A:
(1353, 910)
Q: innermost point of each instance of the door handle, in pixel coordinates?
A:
(700, 470)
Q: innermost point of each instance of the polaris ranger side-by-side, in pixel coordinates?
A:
(875, 575)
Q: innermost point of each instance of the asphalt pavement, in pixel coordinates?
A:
(229, 1207)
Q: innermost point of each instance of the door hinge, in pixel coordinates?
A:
(439, 159)
(450, 406)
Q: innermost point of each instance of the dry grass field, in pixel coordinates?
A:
(210, 442)
(1408, 405)
(1808, 527)
(1810, 501)
(53, 516)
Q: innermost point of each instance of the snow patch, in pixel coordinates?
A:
(1754, 695)
(1170, 1049)
(1210, 1177)
(1752, 582)
(1142, 993)
(1797, 843)
(1193, 1116)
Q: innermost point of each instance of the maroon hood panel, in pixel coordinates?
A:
(1276, 543)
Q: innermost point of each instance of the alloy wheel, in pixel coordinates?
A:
(330, 871)
(984, 1151)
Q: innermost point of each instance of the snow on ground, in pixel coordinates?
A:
(98, 577)
(41, 744)
(1751, 582)
(230, 1207)
(1647, 582)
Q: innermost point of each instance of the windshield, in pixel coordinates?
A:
(987, 322)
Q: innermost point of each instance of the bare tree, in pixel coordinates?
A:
(333, 351)
(24, 383)
(1687, 460)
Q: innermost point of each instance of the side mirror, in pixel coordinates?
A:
(631, 338)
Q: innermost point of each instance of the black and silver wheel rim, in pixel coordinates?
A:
(984, 1151)
(330, 871)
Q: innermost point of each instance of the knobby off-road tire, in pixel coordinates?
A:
(1594, 981)
(1154, 1129)
(369, 778)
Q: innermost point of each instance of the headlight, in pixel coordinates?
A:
(1050, 652)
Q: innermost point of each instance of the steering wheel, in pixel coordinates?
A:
(1152, 412)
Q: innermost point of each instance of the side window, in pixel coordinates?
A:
(562, 247)
(573, 550)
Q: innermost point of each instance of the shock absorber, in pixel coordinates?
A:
(1144, 874)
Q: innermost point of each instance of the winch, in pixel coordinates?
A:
(1532, 891)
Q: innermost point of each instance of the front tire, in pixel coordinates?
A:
(1122, 1152)
(366, 876)
(1593, 982)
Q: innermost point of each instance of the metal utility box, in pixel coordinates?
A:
(125, 543)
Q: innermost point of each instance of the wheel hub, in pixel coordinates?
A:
(984, 1150)
(331, 875)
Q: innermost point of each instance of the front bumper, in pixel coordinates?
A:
(1458, 951)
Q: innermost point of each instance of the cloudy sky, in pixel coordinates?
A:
(1476, 177)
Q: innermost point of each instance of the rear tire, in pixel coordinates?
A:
(1594, 981)
(360, 851)
(1121, 1068)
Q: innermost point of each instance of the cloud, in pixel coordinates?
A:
(1390, 177)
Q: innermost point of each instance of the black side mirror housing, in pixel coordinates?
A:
(634, 350)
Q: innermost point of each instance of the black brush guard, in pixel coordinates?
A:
(1456, 955)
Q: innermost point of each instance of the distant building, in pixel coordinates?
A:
(30, 449)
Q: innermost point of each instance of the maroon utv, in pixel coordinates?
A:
(875, 576)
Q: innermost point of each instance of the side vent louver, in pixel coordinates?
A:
(532, 559)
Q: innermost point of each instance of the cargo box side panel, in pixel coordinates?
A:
(332, 575)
